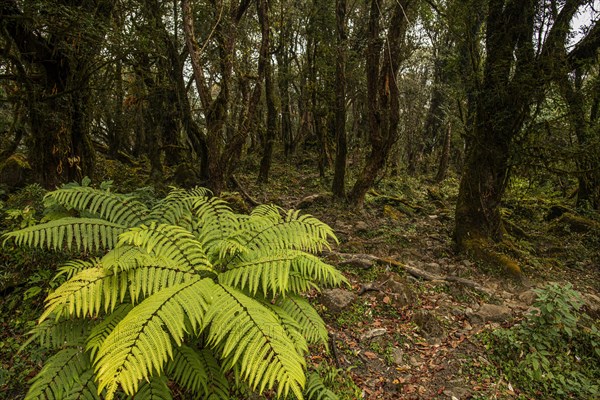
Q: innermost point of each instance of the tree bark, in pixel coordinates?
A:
(339, 177)
(382, 91)
(215, 111)
(513, 80)
(59, 108)
(265, 162)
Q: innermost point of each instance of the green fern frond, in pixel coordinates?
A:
(270, 212)
(214, 220)
(116, 208)
(101, 331)
(52, 333)
(251, 336)
(292, 328)
(269, 273)
(199, 372)
(171, 242)
(55, 379)
(176, 208)
(142, 341)
(312, 326)
(86, 294)
(72, 233)
(149, 280)
(73, 267)
(302, 234)
(84, 387)
(311, 267)
(155, 388)
(316, 389)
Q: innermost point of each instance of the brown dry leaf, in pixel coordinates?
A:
(386, 300)
(370, 355)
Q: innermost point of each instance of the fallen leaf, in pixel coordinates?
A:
(370, 355)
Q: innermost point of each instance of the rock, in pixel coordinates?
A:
(361, 226)
(458, 393)
(373, 333)
(398, 356)
(433, 267)
(574, 223)
(400, 294)
(528, 297)
(314, 199)
(358, 262)
(336, 300)
(467, 263)
(428, 323)
(15, 171)
(591, 304)
(491, 313)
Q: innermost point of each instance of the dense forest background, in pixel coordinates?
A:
(422, 112)
(488, 89)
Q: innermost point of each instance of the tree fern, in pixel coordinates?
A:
(187, 291)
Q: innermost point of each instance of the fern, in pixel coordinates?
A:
(188, 293)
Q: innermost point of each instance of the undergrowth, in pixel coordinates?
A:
(555, 351)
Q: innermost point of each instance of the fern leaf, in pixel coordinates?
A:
(215, 220)
(316, 389)
(312, 326)
(85, 293)
(171, 242)
(270, 212)
(176, 208)
(84, 387)
(250, 336)
(199, 372)
(154, 389)
(312, 268)
(53, 333)
(269, 273)
(55, 379)
(141, 342)
(305, 233)
(99, 333)
(61, 233)
(116, 208)
(292, 328)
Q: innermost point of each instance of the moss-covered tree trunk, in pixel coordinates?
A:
(227, 16)
(59, 64)
(514, 75)
(265, 162)
(383, 64)
(341, 149)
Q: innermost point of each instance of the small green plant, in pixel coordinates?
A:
(328, 383)
(189, 293)
(555, 350)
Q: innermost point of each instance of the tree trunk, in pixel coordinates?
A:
(265, 162)
(339, 177)
(513, 80)
(382, 92)
(59, 113)
(215, 111)
(444, 156)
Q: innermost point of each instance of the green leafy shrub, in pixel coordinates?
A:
(188, 292)
(555, 350)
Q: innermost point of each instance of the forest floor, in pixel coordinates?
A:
(413, 323)
(400, 336)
